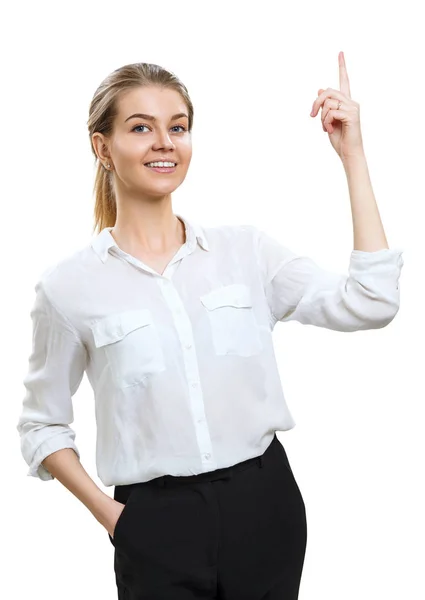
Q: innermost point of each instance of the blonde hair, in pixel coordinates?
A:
(102, 112)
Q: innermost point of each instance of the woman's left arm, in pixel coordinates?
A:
(341, 119)
(369, 234)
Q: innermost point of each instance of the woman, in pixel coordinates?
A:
(172, 322)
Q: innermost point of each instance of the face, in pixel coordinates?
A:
(138, 140)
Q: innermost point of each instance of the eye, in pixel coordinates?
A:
(138, 126)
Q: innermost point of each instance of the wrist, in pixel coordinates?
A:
(100, 505)
(354, 158)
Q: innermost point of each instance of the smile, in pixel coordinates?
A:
(162, 169)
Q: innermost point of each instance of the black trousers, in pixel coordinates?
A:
(237, 533)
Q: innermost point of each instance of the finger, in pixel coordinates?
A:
(344, 84)
(337, 115)
(325, 110)
(329, 93)
(326, 123)
(328, 105)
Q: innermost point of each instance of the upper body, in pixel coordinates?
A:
(182, 362)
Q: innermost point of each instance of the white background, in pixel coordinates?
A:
(253, 70)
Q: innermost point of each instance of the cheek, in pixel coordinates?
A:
(185, 148)
(132, 150)
(185, 159)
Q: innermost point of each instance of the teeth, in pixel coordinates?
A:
(161, 164)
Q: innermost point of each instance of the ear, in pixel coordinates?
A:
(100, 146)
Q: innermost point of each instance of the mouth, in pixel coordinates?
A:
(162, 169)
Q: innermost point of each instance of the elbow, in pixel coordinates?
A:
(380, 314)
(375, 308)
(387, 316)
(378, 305)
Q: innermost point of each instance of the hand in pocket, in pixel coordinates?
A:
(113, 517)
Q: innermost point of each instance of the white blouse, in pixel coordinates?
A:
(182, 364)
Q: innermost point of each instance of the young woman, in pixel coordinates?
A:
(172, 322)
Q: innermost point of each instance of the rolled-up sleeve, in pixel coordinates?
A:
(298, 289)
(56, 367)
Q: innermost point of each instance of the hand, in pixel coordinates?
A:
(343, 124)
(110, 520)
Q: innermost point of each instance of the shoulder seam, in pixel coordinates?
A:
(65, 318)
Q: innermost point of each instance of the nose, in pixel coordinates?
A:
(164, 141)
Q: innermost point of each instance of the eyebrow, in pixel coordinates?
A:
(151, 118)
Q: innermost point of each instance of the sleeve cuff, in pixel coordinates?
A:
(390, 253)
(45, 449)
(392, 257)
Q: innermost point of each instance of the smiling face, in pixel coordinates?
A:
(161, 133)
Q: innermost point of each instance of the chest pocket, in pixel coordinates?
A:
(232, 320)
(131, 344)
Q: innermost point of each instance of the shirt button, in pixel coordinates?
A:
(188, 346)
(207, 455)
(200, 420)
(194, 383)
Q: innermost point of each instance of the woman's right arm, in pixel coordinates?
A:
(56, 367)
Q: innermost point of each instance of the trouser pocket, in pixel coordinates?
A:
(125, 495)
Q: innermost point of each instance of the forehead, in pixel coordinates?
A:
(156, 101)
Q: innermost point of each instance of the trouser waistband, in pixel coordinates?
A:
(223, 473)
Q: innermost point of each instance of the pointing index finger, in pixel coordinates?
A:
(344, 84)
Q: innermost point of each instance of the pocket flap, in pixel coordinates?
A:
(236, 294)
(116, 326)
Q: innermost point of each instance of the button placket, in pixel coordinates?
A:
(185, 334)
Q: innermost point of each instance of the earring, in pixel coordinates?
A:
(108, 165)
